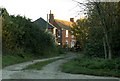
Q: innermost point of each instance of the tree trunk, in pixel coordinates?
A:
(105, 26)
(105, 48)
(109, 47)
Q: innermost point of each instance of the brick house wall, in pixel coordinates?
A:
(67, 40)
(61, 33)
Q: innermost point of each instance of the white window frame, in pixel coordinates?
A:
(67, 33)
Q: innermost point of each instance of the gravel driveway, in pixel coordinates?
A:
(50, 71)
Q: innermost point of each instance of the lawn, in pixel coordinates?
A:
(96, 66)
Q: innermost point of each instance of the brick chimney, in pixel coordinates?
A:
(71, 19)
(51, 18)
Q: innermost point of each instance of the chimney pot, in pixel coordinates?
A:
(71, 19)
(51, 17)
(50, 11)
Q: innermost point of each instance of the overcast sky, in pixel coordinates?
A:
(34, 9)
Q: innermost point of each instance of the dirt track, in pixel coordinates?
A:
(50, 71)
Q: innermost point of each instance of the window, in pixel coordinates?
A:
(66, 41)
(66, 33)
(58, 43)
(59, 36)
(72, 43)
(59, 33)
(54, 31)
(72, 36)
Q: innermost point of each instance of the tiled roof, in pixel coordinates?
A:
(64, 24)
(43, 24)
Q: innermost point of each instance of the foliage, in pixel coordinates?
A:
(14, 59)
(20, 35)
(96, 66)
(103, 31)
(107, 22)
(80, 31)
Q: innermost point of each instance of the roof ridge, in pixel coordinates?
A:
(63, 20)
(43, 22)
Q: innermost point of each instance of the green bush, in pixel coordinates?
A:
(94, 49)
(61, 50)
(20, 35)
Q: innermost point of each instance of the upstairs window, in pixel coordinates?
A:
(66, 33)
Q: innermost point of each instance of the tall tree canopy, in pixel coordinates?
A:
(20, 35)
(103, 39)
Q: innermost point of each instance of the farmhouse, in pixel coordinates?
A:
(61, 29)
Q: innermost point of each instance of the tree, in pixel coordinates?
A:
(20, 36)
(103, 18)
(80, 31)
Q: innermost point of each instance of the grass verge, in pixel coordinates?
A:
(14, 59)
(39, 65)
(96, 66)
